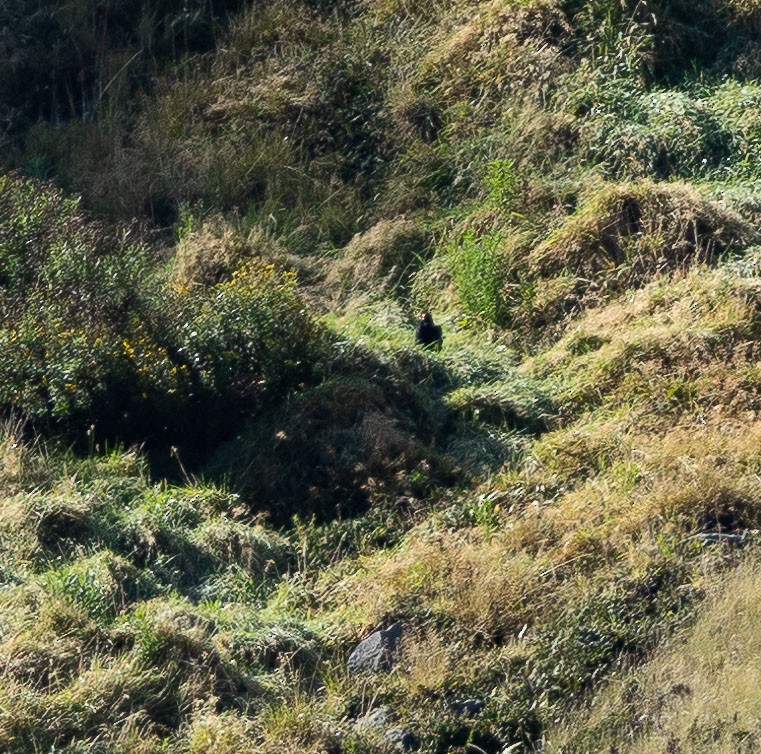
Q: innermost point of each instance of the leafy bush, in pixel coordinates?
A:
(501, 181)
(249, 334)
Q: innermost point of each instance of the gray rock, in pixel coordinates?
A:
(381, 722)
(376, 652)
(469, 708)
(377, 719)
(402, 739)
(715, 536)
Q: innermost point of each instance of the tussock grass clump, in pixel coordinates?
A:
(104, 585)
(38, 527)
(208, 252)
(622, 236)
(46, 649)
(228, 733)
(515, 404)
(382, 259)
(680, 344)
(502, 48)
(197, 540)
(251, 548)
(615, 223)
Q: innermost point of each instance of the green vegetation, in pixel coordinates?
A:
(223, 461)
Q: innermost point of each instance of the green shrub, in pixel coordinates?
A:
(250, 334)
(479, 268)
(501, 181)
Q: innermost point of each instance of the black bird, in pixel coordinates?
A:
(428, 334)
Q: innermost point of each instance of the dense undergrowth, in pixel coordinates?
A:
(223, 461)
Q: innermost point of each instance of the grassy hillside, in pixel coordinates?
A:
(224, 462)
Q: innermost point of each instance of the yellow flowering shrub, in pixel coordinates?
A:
(92, 335)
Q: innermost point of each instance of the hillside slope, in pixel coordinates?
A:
(224, 462)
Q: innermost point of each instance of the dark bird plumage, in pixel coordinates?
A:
(427, 333)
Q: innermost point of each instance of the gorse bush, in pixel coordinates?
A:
(249, 334)
(93, 337)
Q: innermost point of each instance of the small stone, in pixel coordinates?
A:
(402, 739)
(469, 708)
(377, 651)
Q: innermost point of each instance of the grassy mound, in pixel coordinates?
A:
(553, 506)
(382, 259)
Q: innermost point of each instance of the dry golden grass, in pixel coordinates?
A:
(476, 580)
(746, 13)
(384, 11)
(677, 342)
(47, 649)
(210, 253)
(624, 488)
(228, 733)
(501, 47)
(380, 259)
(35, 526)
(699, 693)
(296, 726)
(13, 454)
